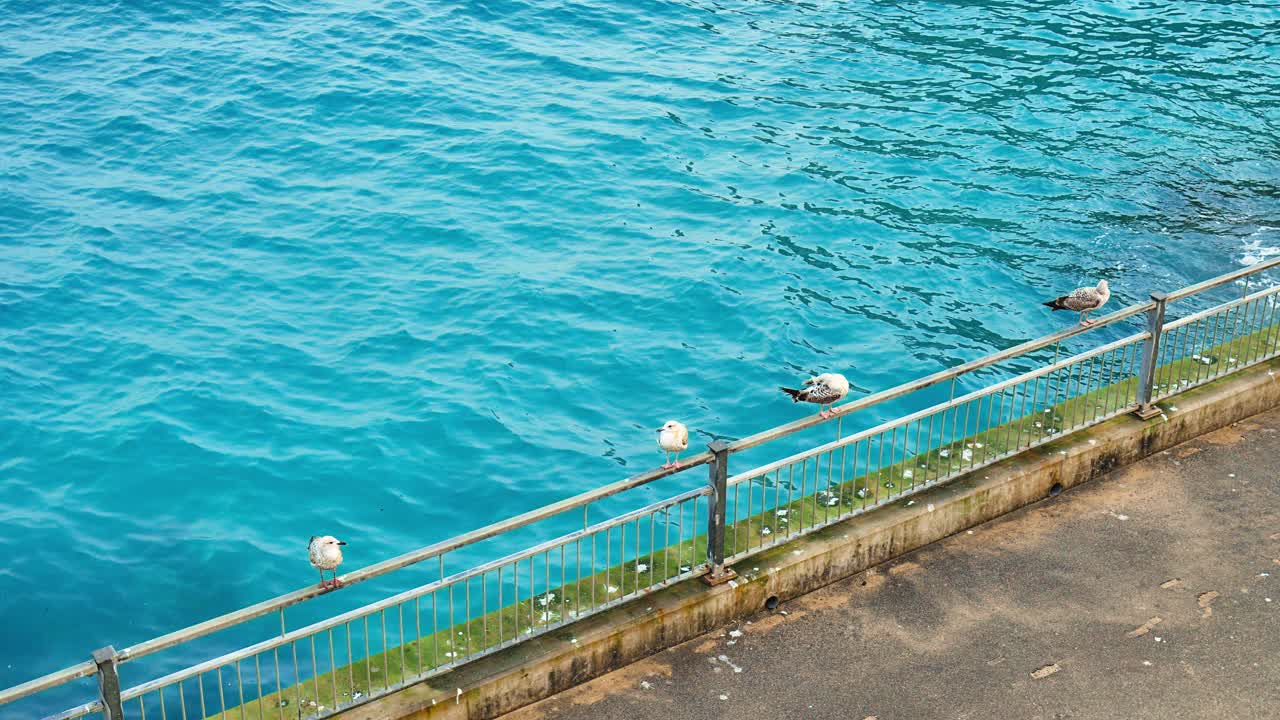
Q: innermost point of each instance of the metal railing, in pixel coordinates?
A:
(831, 482)
(350, 657)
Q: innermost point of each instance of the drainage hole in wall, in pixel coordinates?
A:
(1056, 490)
(771, 603)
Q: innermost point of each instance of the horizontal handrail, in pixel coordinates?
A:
(940, 407)
(378, 569)
(941, 376)
(1224, 279)
(387, 602)
(53, 679)
(208, 627)
(77, 711)
(1209, 312)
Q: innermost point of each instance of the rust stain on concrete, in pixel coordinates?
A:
(625, 681)
(1045, 671)
(1229, 435)
(904, 567)
(1144, 628)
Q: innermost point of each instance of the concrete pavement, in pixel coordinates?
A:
(1096, 604)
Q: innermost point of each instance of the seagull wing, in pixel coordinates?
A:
(1085, 298)
(815, 390)
(820, 393)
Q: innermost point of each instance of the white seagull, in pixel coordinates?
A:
(673, 437)
(824, 390)
(326, 554)
(1083, 300)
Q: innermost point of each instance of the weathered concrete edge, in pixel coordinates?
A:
(593, 646)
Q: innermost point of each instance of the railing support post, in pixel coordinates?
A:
(108, 683)
(1150, 357)
(716, 506)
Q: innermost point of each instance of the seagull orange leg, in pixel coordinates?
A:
(336, 582)
(676, 464)
(323, 582)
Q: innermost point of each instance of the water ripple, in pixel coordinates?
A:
(269, 267)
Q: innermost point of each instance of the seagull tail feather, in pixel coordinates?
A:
(795, 394)
(1057, 303)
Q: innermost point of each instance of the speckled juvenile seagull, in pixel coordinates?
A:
(674, 438)
(1083, 300)
(824, 390)
(326, 554)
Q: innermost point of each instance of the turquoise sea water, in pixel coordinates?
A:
(393, 270)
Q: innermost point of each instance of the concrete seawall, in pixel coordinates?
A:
(544, 666)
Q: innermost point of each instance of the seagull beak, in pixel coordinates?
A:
(341, 542)
(658, 430)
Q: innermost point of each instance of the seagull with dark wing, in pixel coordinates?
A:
(824, 390)
(326, 554)
(1083, 300)
(673, 437)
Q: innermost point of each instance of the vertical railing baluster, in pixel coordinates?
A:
(718, 500)
(1150, 353)
(108, 683)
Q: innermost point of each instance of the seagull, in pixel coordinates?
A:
(824, 389)
(1083, 300)
(326, 554)
(674, 438)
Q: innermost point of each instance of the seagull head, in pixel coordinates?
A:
(331, 540)
(1102, 286)
(669, 425)
(835, 381)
